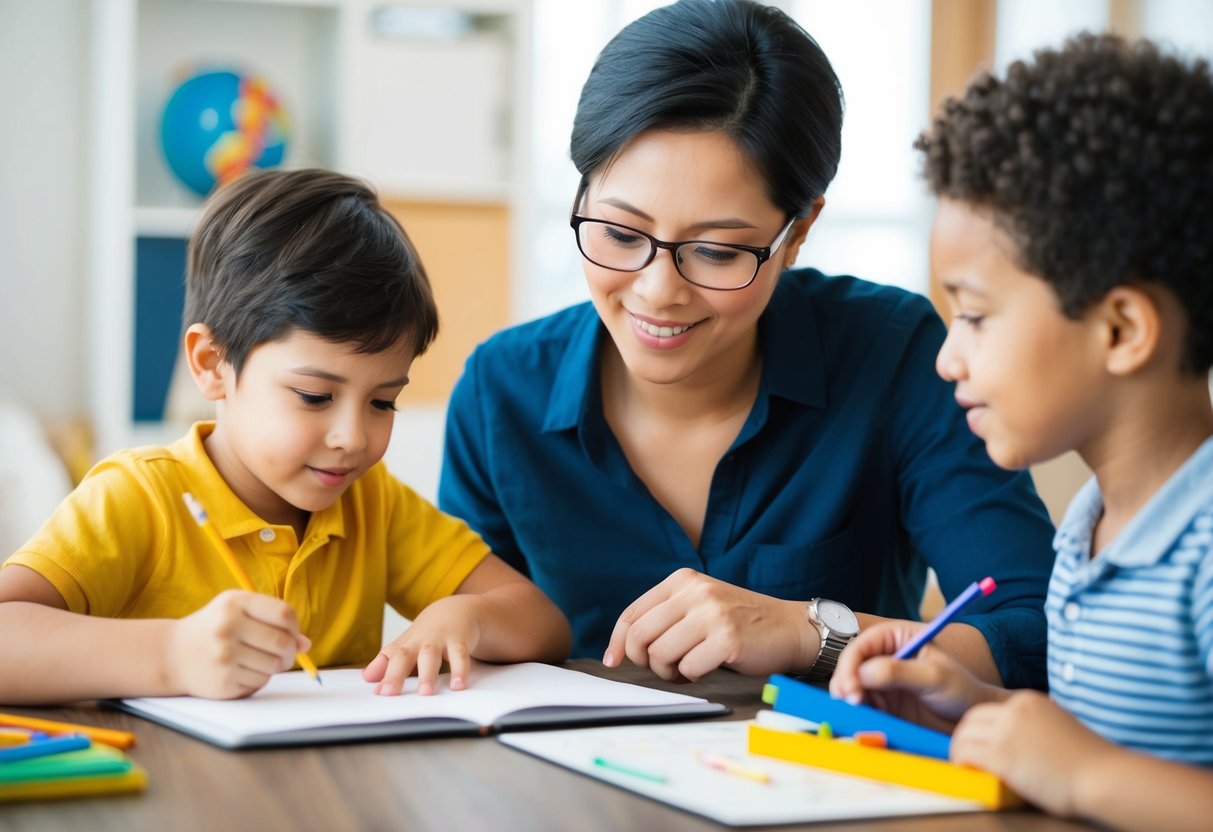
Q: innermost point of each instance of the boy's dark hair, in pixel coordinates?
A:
(739, 67)
(1097, 160)
(311, 250)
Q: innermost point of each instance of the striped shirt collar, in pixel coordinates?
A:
(1153, 531)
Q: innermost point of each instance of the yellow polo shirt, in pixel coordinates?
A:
(123, 545)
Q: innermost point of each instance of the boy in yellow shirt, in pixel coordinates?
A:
(305, 307)
(1074, 240)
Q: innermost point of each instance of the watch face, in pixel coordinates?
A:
(838, 617)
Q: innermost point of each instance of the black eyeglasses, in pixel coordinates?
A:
(722, 266)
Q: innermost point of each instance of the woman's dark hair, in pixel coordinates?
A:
(735, 66)
(1097, 161)
(310, 250)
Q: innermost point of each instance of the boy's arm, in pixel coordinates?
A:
(518, 622)
(1131, 791)
(227, 649)
(1055, 762)
(51, 655)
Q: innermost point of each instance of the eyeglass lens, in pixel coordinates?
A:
(703, 263)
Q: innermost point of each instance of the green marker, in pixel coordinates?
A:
(651, 776)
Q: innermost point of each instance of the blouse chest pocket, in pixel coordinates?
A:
(828, 568)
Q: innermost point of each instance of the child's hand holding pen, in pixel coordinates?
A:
(884, 664)
(932, 690)
(232, 646)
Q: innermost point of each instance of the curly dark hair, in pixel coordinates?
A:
(1097, 160)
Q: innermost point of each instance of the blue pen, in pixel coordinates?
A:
(44, 748)
(983, 587)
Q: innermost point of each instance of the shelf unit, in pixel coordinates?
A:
(429, 101)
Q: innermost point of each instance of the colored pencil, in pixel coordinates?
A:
(116, 739)
(242, 578)
(983, 587)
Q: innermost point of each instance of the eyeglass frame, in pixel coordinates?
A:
(761, 253)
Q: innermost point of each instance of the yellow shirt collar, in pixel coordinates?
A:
(228, 512)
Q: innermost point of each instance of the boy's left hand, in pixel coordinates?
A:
(447, 629)
(1034, 745)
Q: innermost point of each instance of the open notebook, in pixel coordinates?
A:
(293, 710)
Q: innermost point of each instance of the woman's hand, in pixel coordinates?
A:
(232, 646)
(448, 629)
(932, 689)
(690, 624)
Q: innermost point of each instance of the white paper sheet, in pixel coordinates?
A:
(794, 793)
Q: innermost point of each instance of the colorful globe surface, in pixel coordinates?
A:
(219, 123)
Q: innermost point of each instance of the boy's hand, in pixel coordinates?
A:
(932, 689)
(232, 646)
(1034, 745)
(447, 629)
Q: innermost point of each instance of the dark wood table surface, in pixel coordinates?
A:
(439, 784)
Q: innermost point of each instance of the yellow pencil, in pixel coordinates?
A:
(721, 763)
(14, 736)
(242, 578)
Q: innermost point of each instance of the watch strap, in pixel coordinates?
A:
(832, 645)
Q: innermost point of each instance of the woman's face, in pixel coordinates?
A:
(680, 186)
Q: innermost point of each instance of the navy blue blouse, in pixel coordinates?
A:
(853, 472)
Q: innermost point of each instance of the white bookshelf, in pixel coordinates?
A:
(439, 116)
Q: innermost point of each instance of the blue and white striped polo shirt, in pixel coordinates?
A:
(1131, 630)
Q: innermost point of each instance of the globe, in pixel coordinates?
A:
(217, 124)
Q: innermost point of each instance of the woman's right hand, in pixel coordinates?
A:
(690, 624)
(932, 689)
(231, 647)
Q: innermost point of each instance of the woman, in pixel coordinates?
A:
(693, 463)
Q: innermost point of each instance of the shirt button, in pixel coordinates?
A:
(1067, 672)
(267, 535)
(1072, 611)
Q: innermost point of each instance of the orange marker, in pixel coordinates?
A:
(872, 739)
(242, 578)
(117, 739)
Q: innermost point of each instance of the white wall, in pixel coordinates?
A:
(43, 56)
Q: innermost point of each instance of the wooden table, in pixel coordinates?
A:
(440, 784)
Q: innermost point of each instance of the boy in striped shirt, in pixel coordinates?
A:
(1074, 241)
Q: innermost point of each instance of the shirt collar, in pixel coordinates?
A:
(1154, 529)
(225, 510)
(793, 365)
(578, 370)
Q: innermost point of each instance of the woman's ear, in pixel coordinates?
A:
(796, 237)
(1132, 328)
(206, 363)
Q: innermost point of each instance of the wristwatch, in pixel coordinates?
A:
(836, 625)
